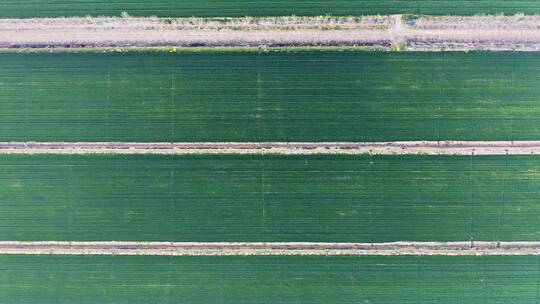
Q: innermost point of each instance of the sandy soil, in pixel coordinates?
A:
(515, 22)
(245, 23)
(392, 32)
(149, 32)
(352, 148)
(465, 248)
(189, 38)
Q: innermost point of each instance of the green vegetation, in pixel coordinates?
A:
(235, 280)
(410, 18)
(219, 8)
(269, 198)
(275, 96)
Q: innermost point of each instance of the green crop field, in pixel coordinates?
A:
(269, 198)
(250, 96)
(239, 8)
(256, 94)
(235, 280)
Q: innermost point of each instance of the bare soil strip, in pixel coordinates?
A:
(152, 32)
(466, 248)
(292, 148)
(425, 33)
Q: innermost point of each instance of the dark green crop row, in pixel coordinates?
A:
(240, 8)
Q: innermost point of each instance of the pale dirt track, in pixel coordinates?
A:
(291, 148)
(466, 248)
(150, 32)
(390, 32)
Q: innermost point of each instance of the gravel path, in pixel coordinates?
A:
(150, 32)
(465, 248)
(301, 148)
(391, 32)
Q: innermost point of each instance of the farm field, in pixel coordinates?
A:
(321, 198)
(87, 217)
(110, 279)
(251, 96)
(217, 8)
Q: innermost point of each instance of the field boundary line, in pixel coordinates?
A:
(285, 148)
(464, 248)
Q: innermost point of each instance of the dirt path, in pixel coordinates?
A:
(150, 32)
(398, 31)
(390, 32)
(465, 248)
(292, 148)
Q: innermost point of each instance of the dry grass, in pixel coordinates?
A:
(501, 22)
(216, 24)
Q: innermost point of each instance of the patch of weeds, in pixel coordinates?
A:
(379, 26)
(328, 27)
(400, 47)
(410, 19)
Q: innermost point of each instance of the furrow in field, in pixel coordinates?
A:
(289, 148)
(464, 248)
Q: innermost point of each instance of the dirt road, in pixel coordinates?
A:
(391, 32)
(289, 148)
(465, 248)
